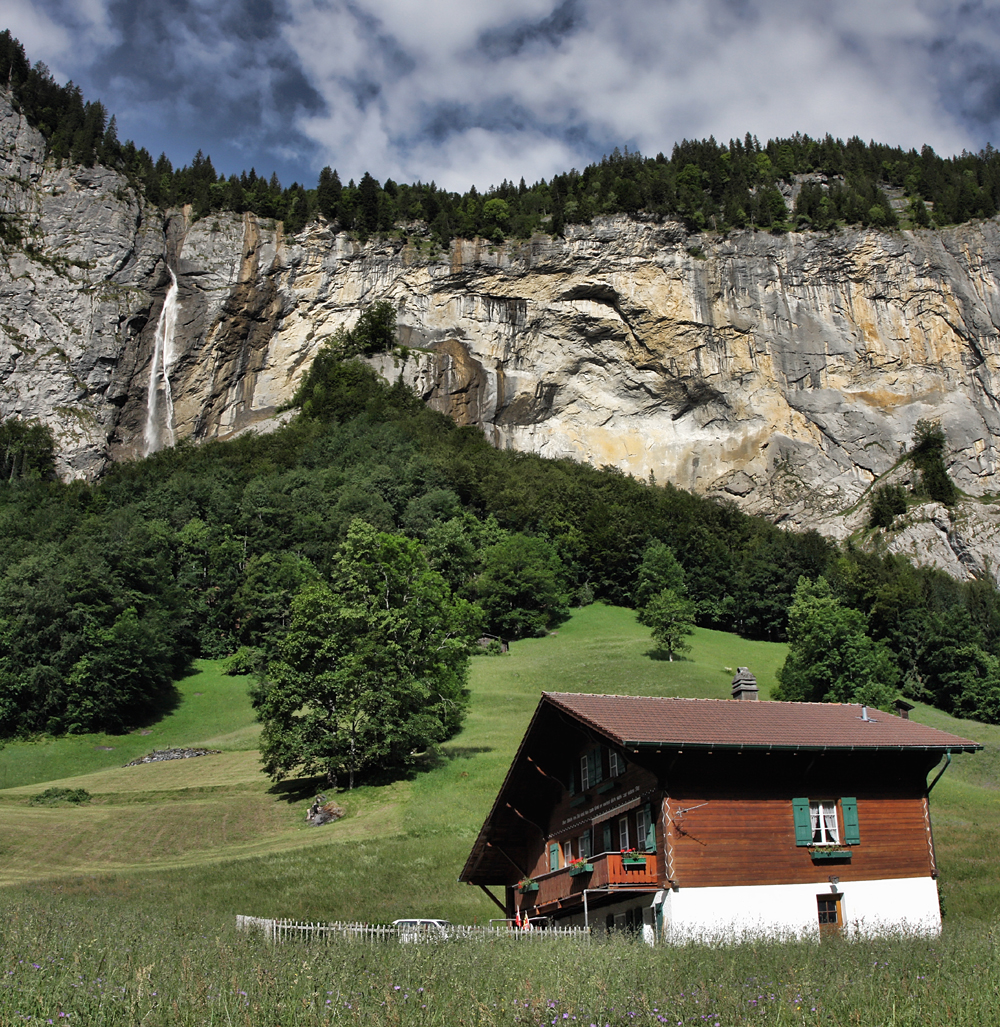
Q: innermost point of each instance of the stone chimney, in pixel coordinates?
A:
(745, 685)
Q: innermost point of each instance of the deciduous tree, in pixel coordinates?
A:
(671, 617)
(831, 658)
(373, 668)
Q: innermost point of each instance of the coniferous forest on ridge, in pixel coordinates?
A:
(109, 590)
(706, 184)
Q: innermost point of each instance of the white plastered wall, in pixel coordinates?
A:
(867, 907)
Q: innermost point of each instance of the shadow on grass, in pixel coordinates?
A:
(153, 709)
(663, 655)
(299, 789)
(464, 752)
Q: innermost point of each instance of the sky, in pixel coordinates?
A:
(465, 92)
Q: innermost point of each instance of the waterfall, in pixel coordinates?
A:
(156, 436)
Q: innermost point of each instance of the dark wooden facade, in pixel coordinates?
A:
(730, 819)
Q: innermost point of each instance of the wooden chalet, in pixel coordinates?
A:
(704, 818)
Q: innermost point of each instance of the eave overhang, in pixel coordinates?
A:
(678, 746)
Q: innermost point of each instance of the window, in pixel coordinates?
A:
(616, 765)
(830, 912)
(590, 768)
(623, 839)
(816, 821)
(827, 905)
(645, 838)
(823, 820)
(584, 845)
(567, 851)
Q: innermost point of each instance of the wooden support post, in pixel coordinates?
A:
(499, 904)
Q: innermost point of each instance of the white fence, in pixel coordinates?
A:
(294, 930)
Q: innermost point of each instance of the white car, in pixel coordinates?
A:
(421, 929)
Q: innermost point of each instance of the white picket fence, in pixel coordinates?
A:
(295, 930)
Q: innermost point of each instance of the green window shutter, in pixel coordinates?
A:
(607, 836)
(803, 825)
(852, 832)
(650, 829)
(554, 856)
(572, 780)
(596, 771)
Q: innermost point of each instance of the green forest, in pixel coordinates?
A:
(708, 185)
(109, 590)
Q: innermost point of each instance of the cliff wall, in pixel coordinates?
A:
(785, 373)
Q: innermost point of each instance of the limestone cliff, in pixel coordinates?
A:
(783, 372)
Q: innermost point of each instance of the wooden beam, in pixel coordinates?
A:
(520, 870)
(489, 894)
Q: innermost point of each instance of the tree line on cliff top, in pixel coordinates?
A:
(257, 548)
(706, 184)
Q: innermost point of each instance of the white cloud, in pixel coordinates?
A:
(59, 34)
(396, 73)
(464, 91)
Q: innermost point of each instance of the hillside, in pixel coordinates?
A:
(211, 833)
(781, 372)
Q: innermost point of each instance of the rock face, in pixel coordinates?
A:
(785, 373)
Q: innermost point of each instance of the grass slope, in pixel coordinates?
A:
(211, 834)
(213, 712)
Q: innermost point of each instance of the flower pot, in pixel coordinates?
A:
(522, 888)
(634, 862)
(581, 868)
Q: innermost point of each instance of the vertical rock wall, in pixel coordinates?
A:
(784, 373)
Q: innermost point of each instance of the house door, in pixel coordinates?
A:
(831, 918)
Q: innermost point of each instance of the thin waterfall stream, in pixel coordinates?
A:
(156, 434)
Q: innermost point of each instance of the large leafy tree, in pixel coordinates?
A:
(831, 657)
(522, 587)
(671, 616)
(372, 670)
(659, 570)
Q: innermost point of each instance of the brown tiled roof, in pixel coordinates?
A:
(644, 721)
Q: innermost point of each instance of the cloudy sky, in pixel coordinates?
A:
(475, 91)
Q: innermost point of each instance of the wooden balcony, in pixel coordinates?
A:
(609, 872)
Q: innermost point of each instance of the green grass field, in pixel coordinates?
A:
(121, 911)
(213, 713)
(213, 832)
(175, 828)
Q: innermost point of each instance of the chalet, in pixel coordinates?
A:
(686, 818)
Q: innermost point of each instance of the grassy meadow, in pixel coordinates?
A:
(121, 910)
(174, 828)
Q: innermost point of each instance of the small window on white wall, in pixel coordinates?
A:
(623, 839)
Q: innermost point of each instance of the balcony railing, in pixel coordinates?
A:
(609, 872)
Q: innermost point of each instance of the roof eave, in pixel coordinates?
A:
(770, 747)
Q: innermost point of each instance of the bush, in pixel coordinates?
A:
(54, 796)
(928, 457)
(887, 501)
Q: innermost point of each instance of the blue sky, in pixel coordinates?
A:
(471, 92)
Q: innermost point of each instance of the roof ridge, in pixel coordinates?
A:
(692, 698)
